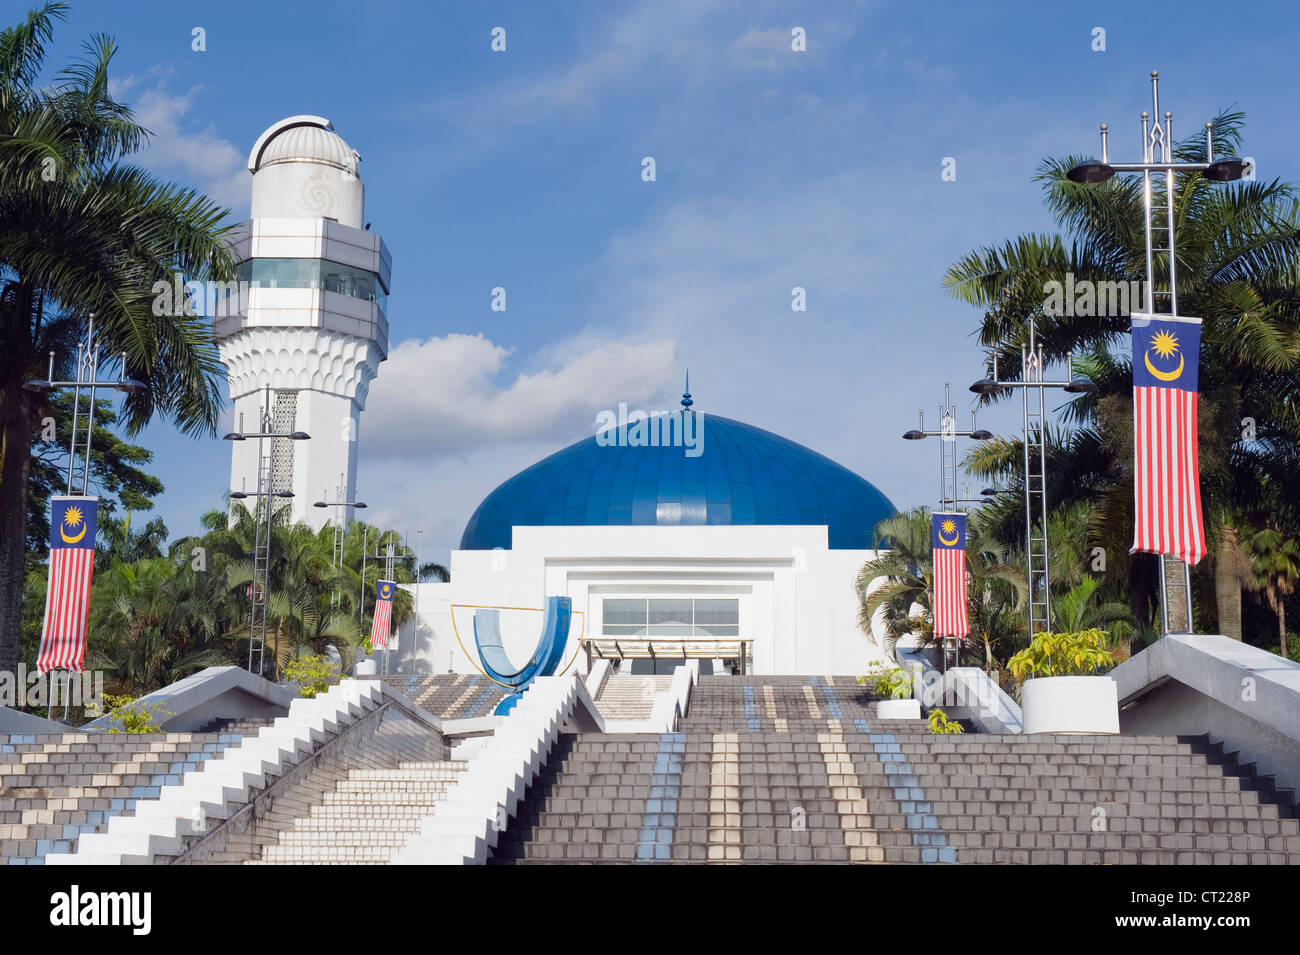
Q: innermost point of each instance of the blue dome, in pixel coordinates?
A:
(745, 475)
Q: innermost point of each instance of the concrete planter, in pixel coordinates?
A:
(898, 710)
(366, 668)
(1070, 704)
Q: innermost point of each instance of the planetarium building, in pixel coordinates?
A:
(740, 550)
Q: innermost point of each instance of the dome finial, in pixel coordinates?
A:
(686, 396)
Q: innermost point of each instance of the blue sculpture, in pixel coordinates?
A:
(544, 661)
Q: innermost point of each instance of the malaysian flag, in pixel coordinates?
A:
(1166, 474)
(948, 538)
(383, 615)
(67, 600)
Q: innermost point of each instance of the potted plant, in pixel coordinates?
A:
(1064, 688)
(896, 687)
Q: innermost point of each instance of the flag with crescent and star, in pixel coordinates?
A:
(67, 599)
(948, 540)
(1166, 472)
(382, 620)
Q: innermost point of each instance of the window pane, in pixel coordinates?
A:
(717, 630)
(622, 613)
(670, 611)
(616, 631)
(670, 630)
(717, 612)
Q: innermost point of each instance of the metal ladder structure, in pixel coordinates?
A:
(1035, 454)
(1157, 142)
(261, 550)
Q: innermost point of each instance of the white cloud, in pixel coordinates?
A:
(441, 396)
(178, 147)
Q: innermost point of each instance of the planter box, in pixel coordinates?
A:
(898, 710)
(366, 668)
(1070, 704)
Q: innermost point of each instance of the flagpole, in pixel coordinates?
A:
(1158, 156)
(87, 372)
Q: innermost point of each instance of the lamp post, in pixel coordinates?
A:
(948, 446)
(339, 522)
(389, 557)
(1033, 364)
(87, 368)
(1158, 157)
(262, 533)
(948, 435)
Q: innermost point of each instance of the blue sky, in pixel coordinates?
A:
(775, 169)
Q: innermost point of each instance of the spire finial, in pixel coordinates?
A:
(686, 395)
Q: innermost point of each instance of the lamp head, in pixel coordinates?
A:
(1226, 170)
(981, 434)
(988, 386)
(40, 384)
(130, 386)
(913, 435)
(1080, 386)
(299, 435)
(233, 436)
(1090, 171)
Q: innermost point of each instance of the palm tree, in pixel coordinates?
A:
(82, 232)
(1238, 249)
(1080, 609)
(1277, 566)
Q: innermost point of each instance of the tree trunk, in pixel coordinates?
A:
(15, 469)
(1227, 594)
(1281, 624)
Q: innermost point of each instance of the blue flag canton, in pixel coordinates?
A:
(1166, 353)
(73, 522)
(384, 590)
(948, 531)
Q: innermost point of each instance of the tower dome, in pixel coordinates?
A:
(302, 169)
(744, 475)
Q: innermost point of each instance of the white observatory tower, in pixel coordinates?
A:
(311, 322)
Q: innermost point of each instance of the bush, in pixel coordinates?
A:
(313, 674)
(1063, 654)
(130, 716)
(892, 683)
(941, 725)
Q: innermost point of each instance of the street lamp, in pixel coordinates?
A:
(1033, 363)
(948, 446)
(1158, 157)
(338, 522)
(262, 534)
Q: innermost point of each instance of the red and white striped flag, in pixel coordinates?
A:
(67, 599)
(1166, 472)
(948, 540)
(383, 618)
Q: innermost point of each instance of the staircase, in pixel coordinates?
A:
(799, 769)
(631, 697)
(369, 816)
(56, 788)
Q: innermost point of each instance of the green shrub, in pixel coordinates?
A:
(892, 683)
(1062, 654)
(313, 674)
(941, 725)
(130, 716)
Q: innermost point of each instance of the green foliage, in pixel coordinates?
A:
(891, 683)
(941, 725)
(313, 674)
(1063, 654)
(130, 716)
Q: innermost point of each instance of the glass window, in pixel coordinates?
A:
(670, 617)
(314, 273)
